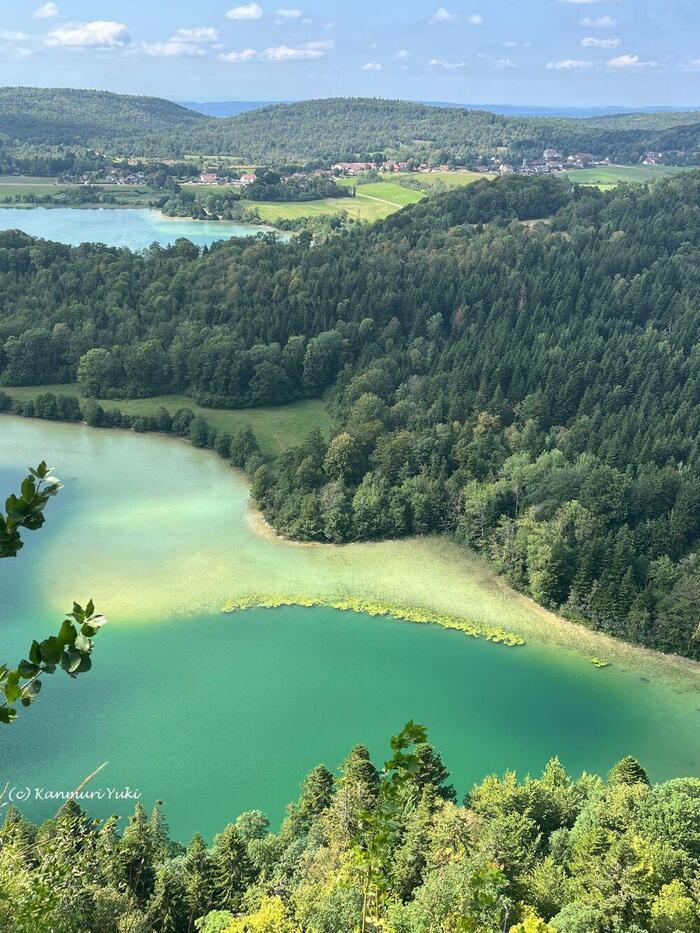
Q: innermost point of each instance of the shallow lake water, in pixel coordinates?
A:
(216, 713)
(135, 228)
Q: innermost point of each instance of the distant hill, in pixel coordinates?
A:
(323, 131)
(68, 116)
(347, 128)
(227, 108)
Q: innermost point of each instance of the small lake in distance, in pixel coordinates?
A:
(135, 228)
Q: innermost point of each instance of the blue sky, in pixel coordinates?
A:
(539, 52)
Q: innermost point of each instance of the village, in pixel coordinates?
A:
(552, 162)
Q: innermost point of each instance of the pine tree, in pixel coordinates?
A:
(233, 870)
(200, 879)
(136, 856)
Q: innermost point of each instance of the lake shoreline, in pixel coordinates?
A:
(607, 645)
(431, 573)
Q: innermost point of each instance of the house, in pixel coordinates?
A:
(652, 158)
(248, 178)
(208, 178)
(581, 159)
(353, 168)
(505, 169)
(551, 154)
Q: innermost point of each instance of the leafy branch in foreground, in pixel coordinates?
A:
(72, 646)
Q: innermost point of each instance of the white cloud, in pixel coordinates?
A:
(599, 22)
(629, 61)
(8, 36)
(441, 16)
(289, 14)
(503, 63)
(579, 2)
(170, 49)
(100, 33)
(46, 11)
(568, 64)
(309, 51)
(694, 65)
(475, 19)
(441, 63)
(249, 11)
(235, 58)
(196, 34)
(403, 53)
(591, 43)
(372, 66)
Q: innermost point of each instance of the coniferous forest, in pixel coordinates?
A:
(514, 364)
(370, 849)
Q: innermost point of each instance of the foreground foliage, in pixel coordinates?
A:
(372, 850)
(72, 646)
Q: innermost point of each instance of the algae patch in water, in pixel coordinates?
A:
(404, 613)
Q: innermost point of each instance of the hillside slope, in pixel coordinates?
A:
(322, 131)
(531, 389)
(67, 116)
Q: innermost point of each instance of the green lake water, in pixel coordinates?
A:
(135, 228)
(215, 713)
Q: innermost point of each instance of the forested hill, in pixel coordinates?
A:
(65, 116)
(323, 131)
(346, 128)
(532, 390)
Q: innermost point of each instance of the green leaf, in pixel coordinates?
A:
(27, 669)
(50, 650)
(67, 633)
(82, 644)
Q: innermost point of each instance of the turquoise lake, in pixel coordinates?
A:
(135, 228)
(215, 714)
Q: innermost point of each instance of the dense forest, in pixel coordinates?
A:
(372, 849)
(323, 131)
(67, 116)
(530, 388)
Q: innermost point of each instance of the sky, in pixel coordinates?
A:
(522, 52)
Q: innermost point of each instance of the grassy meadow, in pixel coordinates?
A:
(26, 186)
(443, 181)
(276, 427)
(605, 176)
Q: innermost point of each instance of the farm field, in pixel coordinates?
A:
(26, 186)
(359, 208)
(439, 181)
(610, 175)
(275, 427)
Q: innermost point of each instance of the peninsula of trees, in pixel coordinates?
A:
(529, 388)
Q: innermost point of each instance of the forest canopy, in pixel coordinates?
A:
(530, 388)
(373, 848)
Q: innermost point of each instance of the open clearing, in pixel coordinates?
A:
(609, 175)
(275, 427)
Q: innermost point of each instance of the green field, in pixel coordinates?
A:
(440, 181)
(276, 427)
(26, 185)
(610, 175)
(358, 208)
